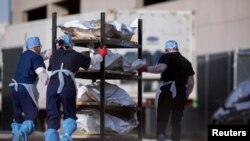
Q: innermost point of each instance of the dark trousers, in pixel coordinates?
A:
(23, 106)
(67, 98)
(168, 106)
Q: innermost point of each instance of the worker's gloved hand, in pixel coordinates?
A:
(46, 54)
(144, 68)
(47, 82)
(103, 51)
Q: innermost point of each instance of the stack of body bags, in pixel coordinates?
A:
(115, 121)
(91, 29)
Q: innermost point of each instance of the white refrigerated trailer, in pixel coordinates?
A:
(158, 27)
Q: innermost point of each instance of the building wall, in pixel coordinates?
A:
(2, 31)
(220, 25)
(93, 5)
(21, 6)
(24, 5)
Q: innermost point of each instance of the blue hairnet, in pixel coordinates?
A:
(32, 42)
(67, 41)
(171, 44)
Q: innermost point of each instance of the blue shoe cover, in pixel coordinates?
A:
(26, 129)
(51, 135)
(68, 127)
(66, 137)
(15, 131)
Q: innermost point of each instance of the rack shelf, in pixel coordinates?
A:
(102, 75)
(90, 105)
(116, 43)
(109, 74)
(87, 43)
(110, 43)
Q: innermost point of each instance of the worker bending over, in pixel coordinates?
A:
(64, 63)
(23, 91)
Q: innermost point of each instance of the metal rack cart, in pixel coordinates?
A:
(105, 74)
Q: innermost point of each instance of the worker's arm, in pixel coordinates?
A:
(96, 59)
(46, 54)
(42, 75)
(159, 68)
(99, 57)
(190, 85)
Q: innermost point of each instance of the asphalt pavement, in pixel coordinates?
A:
(39, 136)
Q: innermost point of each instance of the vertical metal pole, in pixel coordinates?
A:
(54, 31)
(140, 80)
(102, 104)
(235, 68)
(206, 92)
(229, 72)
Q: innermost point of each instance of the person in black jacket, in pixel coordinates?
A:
(177, 82)
(64, 63)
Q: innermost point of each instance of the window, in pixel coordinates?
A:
(72, 6)
(37, 14)
(149, 2)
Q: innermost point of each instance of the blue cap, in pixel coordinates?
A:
(32, 42)
(67, 41)
(171, 44)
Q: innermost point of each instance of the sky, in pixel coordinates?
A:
(4, 11)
